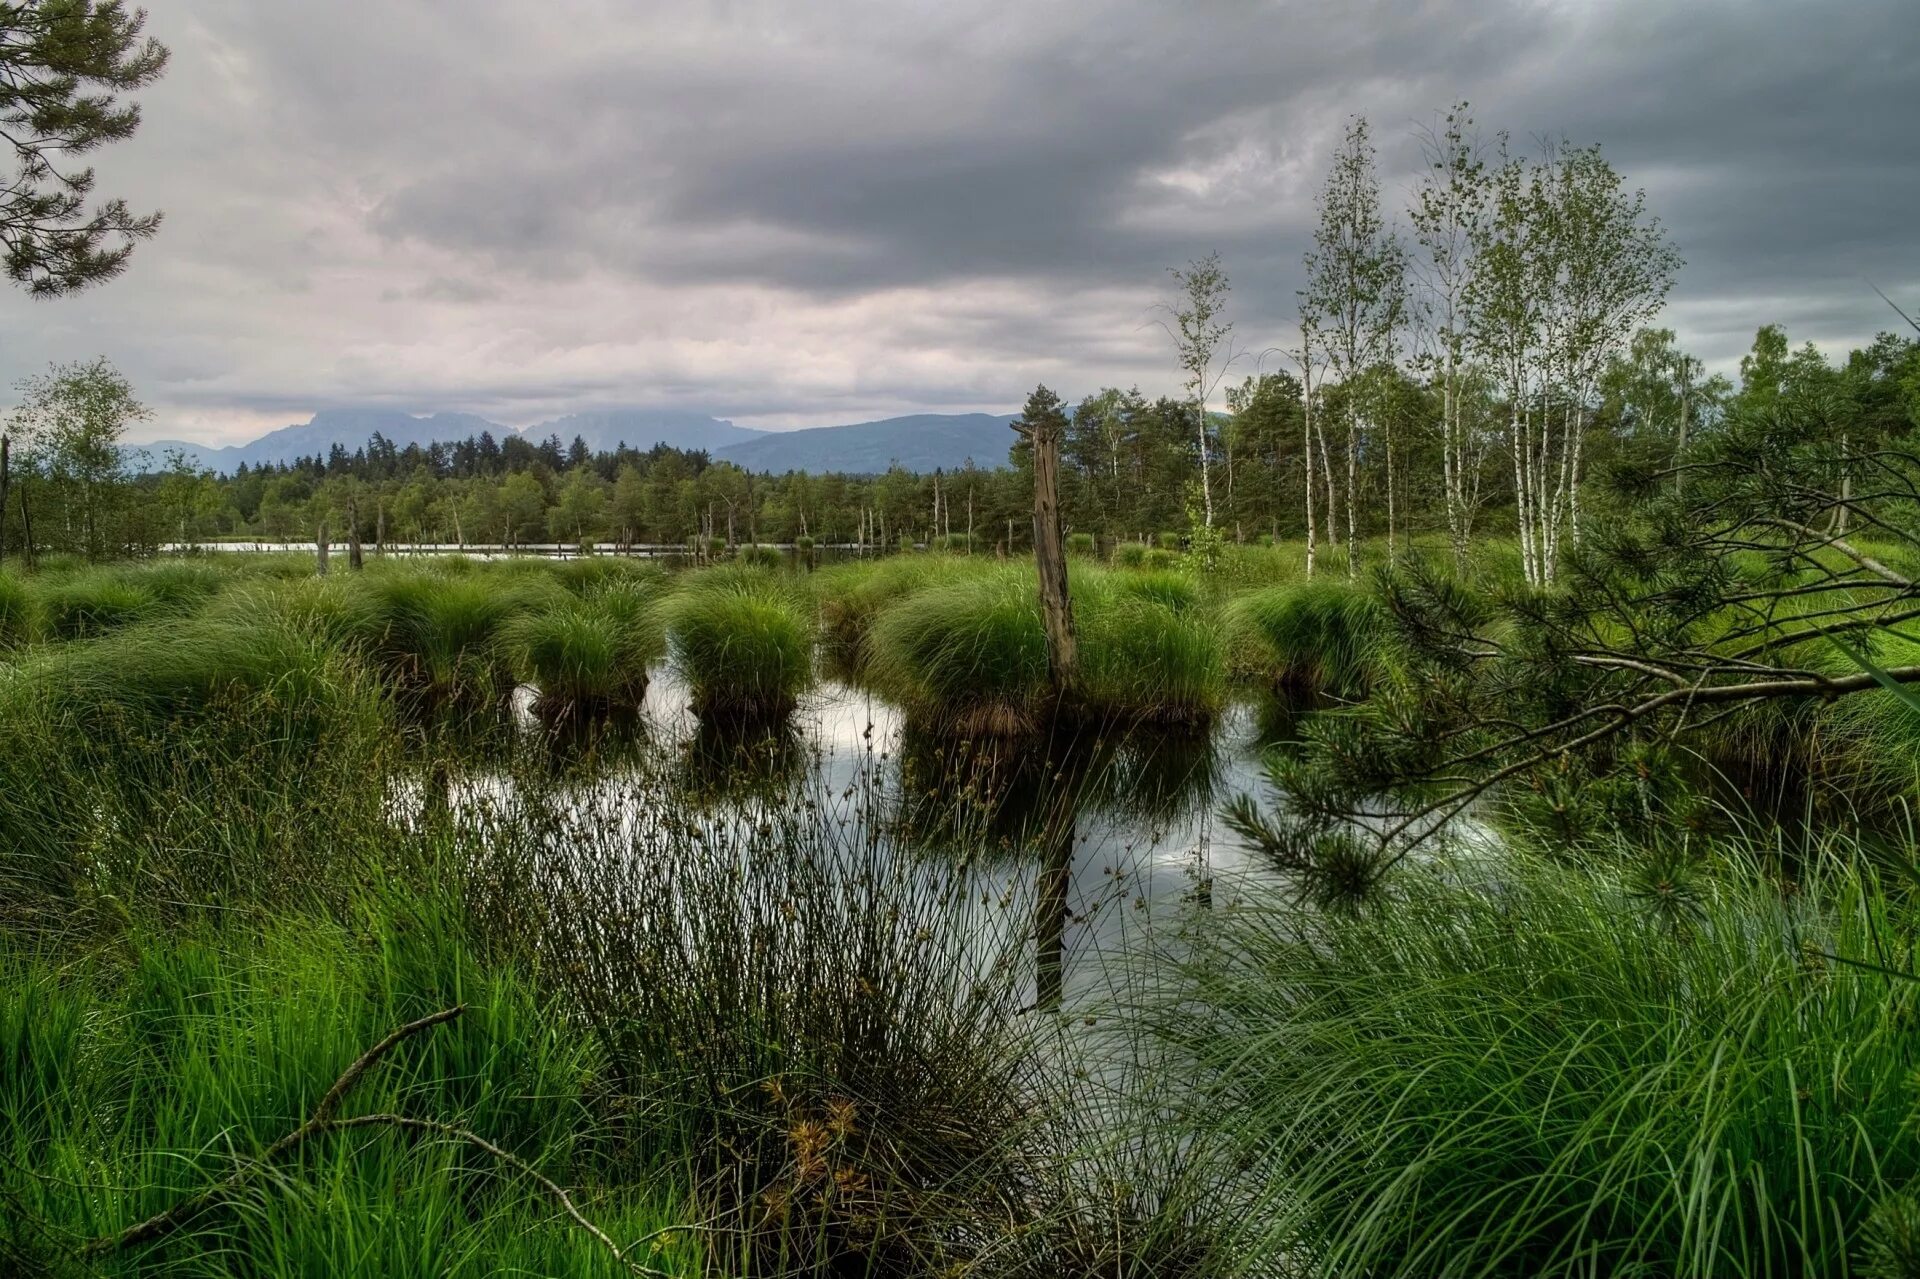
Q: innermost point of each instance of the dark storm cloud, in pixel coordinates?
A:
(799, 212)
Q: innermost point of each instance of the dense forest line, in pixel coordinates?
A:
(1467, 364)
(1130, 468)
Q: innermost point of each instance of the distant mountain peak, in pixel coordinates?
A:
(922, 441)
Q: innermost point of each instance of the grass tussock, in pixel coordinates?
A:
(852, 596)
(970, 658)
(590, 655)
(441, 638)
(1319, 636)
(19, 613)
(742, 640)
(967, 657)
(1649, 1068)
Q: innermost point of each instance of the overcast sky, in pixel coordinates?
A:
(801, 213)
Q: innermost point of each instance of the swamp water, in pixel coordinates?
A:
(1094, 850)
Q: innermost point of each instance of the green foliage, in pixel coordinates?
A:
(1322, 636)
(851, 596)
(1129, 555)
(1536, 1073)
(61, 66)
(440, 638)
(19, 612)
(1081, 545)
(145, 1084)
(967, 656)
(743, 642)
(589, 654)
(92, 604)
(1148, 658)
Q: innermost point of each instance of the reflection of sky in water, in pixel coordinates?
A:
(1148, 851)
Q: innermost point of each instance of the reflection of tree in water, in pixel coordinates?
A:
(1006, 790)
(1035, 796)
(732, 762)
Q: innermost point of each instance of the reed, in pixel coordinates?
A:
(1645, 1067)
(1318, 636)
(743, 642)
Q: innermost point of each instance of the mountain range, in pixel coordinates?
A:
(920, 442)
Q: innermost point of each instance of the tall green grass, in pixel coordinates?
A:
(967, 657)
(852, 595)
(588, 655)
(157, 761)
(1532, 1069)
(1321, 636)
(970, 658)
(742, 640)
(441, 638)
(91, 604)
(19, 612)
(1146, 660)
(128, 1085)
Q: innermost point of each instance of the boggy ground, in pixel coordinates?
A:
(252, 822)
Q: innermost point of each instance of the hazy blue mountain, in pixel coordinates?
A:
(349, 428)
(607, 429)
(921, 442)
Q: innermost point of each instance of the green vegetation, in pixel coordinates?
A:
(743, 643)
(1314, 637)
(1652, 1067)
(589, 655)
(968, 657)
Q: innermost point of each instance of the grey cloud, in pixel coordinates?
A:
(802, 212)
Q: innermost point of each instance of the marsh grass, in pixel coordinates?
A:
(439, 638)
(91, 604)
(1646, 1067)
(1321, 636)
(154, 764)
(851, 597)
(19, 612)
(967, 657)
(588, 656)
(831, 1023)
(742, 639)
(134, 1082)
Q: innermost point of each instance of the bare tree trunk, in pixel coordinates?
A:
(1049, 553)
(380, 526)
(354, 560)
(6, 480)
(1306, 452)
(320, 549)
(1206, 484)
(1353, 483)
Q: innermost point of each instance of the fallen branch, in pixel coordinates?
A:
(322, 1121)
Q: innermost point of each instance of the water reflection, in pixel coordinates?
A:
(1107, 834)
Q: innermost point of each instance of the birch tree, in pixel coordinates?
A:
(1567, 266)
(1355, 299)
(1203, 340)
(1449, 213)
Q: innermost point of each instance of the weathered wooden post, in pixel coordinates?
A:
(6, 478)
(380, 525)
(353, 534)
(1043, 422)
(320, 549)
